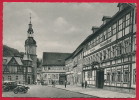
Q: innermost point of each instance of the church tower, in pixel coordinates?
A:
(30, 49)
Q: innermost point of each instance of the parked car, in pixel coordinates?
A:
(9, 85)
(21, 88)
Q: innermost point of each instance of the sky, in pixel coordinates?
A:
(58, 27)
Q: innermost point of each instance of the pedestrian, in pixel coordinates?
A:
(82, 84)
(65, 83)
(85, 84)
(52, 83)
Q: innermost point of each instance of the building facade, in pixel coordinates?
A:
(53, 67)
(74, 65)
(17, 69)
(109, 53)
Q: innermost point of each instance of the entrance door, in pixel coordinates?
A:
(62, 78)
(28, 79)
(100, 78)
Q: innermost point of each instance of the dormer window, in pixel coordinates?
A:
(4, 61)
(121, 6)
(105, 19)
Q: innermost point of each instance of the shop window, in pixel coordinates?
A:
(113, 76)
(89, 74)
(126, 75)
(108, 76)
(134, 76)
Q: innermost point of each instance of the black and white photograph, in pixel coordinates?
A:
(69, 50)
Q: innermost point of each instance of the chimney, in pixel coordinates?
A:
(95, 28)
(105, 19)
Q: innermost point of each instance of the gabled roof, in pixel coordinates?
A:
(54, 58)
(8, 59)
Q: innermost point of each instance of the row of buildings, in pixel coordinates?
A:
(107, 57)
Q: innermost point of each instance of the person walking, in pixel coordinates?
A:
(85, 84)
(82, 84)
(65, 83)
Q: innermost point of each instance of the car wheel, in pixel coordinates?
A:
(15, 91)
(25, 91)
(7, 89)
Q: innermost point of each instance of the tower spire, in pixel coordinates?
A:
(30, 18)
(30, 29)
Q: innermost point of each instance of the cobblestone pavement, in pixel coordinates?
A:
(47, 92)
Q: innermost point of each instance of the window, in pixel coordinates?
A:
(134, 76)
(6, 69)
(109, 32)
(19, 69)
(127, 46)
(94, 57)
(16, 77)
(127, 21)
(126, 75)
(114, 28)
(29, 69)
(104, 35)
(120, 24)
(114, 50)
(109, 52)
(119, 76)
(108, 76)
(89, 74)
(13, 69)
(134, 43)
(98, 39)
(119, 49)
(113, 76)
(101, 37)
(4, 61)
(104, 54)
(9, 78)
(100, 56)
(97, 57)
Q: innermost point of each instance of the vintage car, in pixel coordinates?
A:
(9, 85)
(21, 88)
